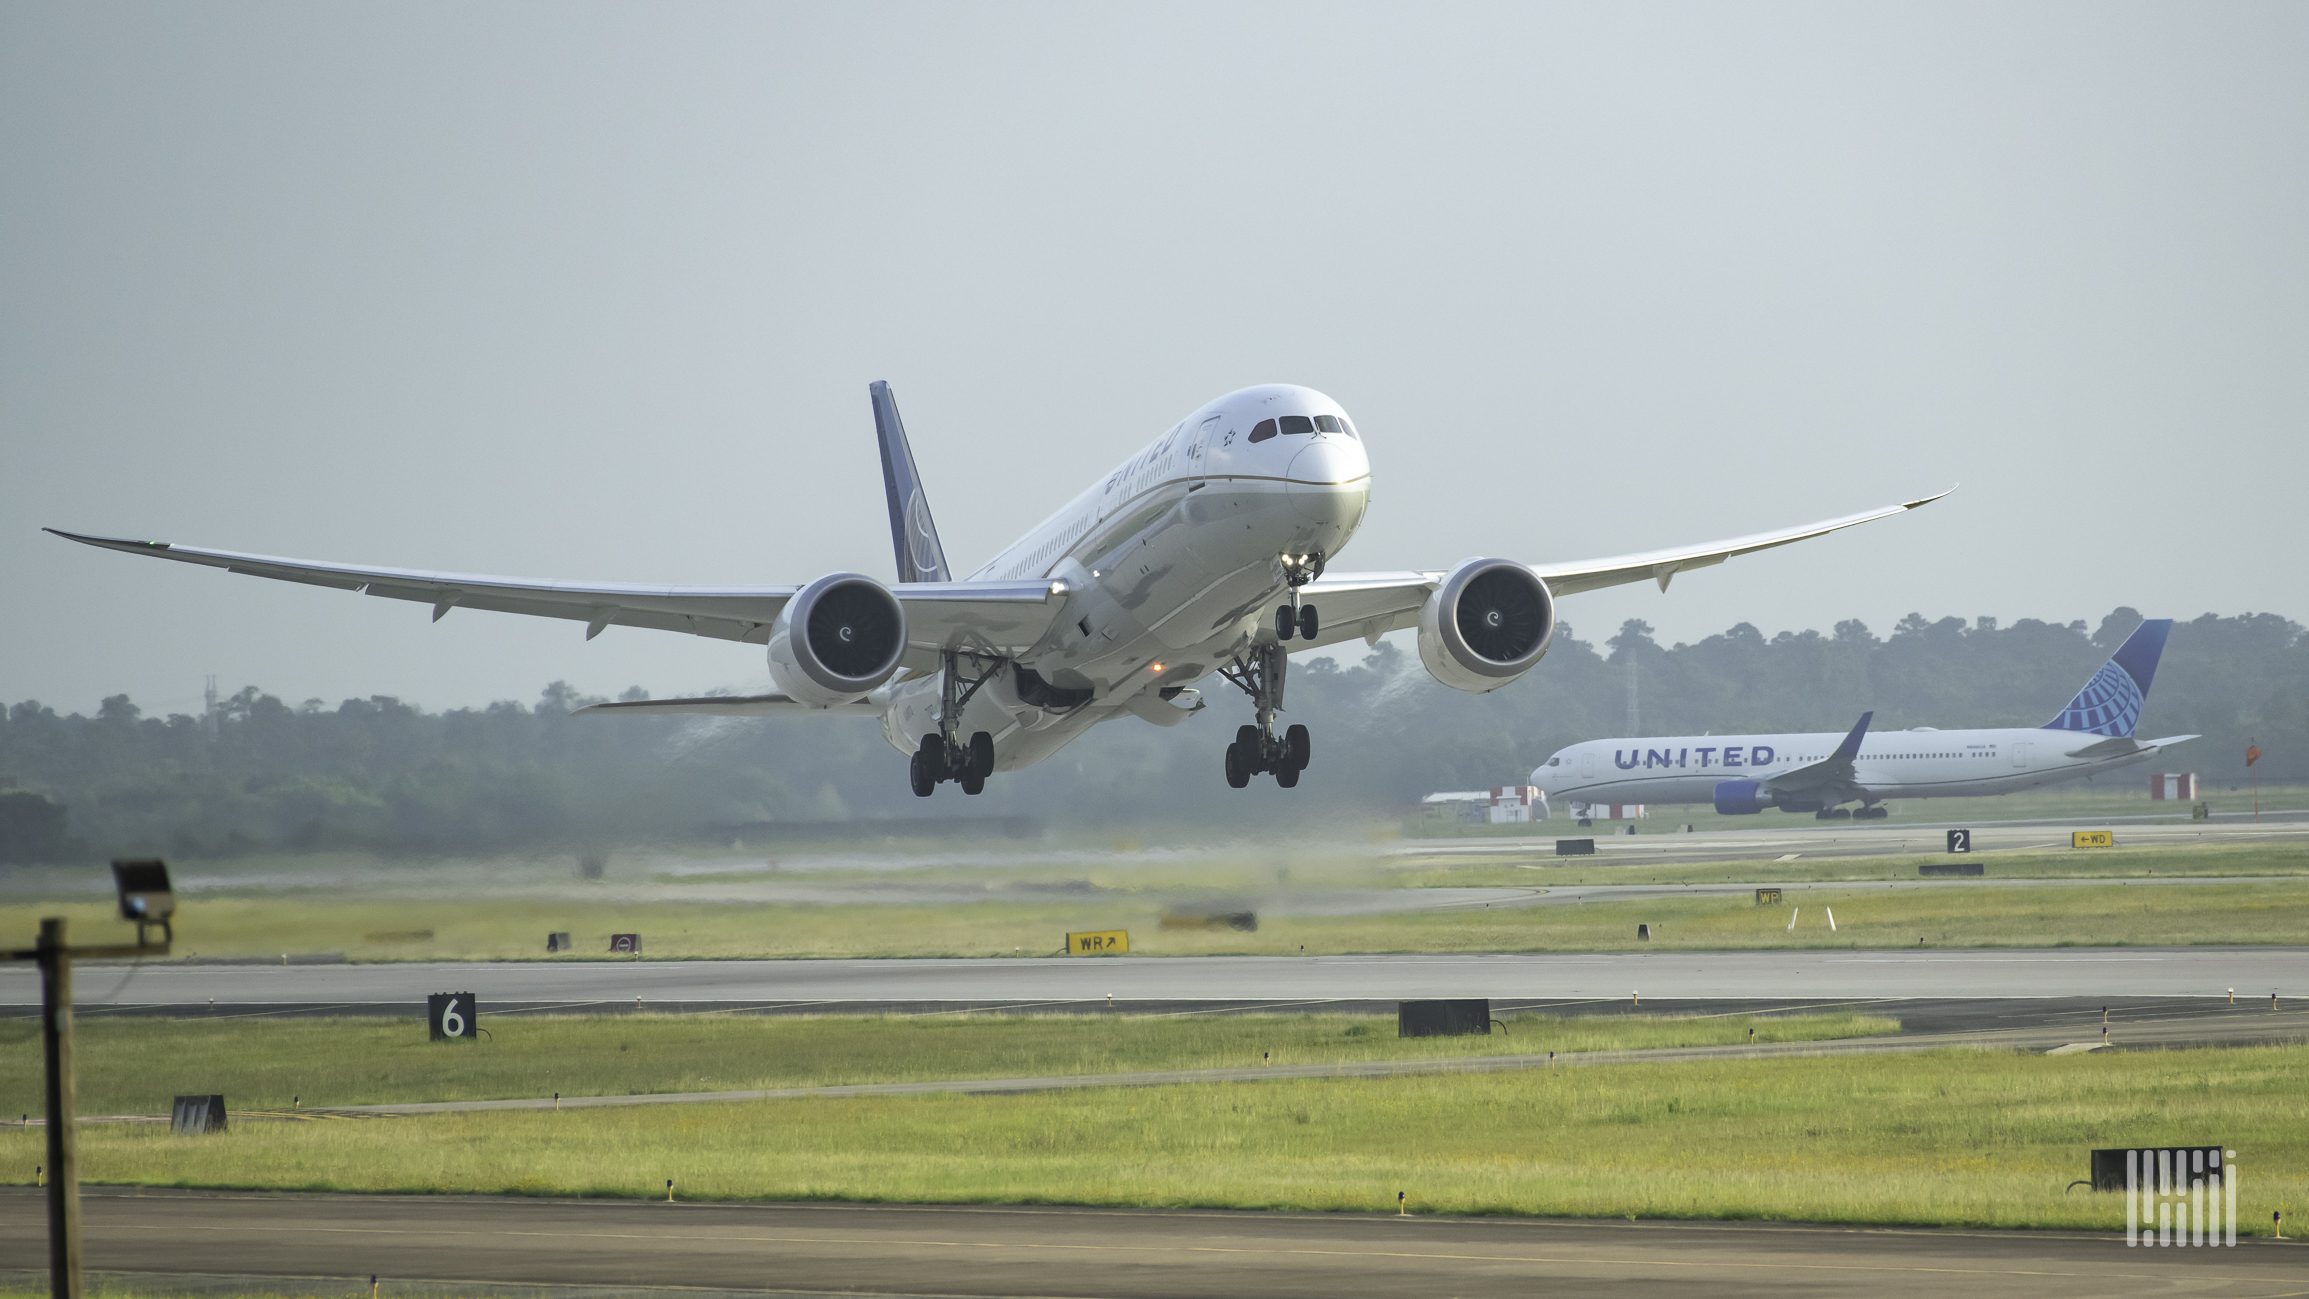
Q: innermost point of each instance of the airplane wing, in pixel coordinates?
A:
(1000, 616)
(1369, 605)
(1834, 772)
(771, 705)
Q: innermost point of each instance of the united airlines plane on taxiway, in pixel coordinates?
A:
(1743, 774)
(1204, 553)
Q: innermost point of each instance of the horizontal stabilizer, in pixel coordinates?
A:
(731, 706)
(2114, 747)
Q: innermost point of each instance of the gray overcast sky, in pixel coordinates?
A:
(595, 292)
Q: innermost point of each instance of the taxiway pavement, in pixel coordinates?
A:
(1819, 974)
(488, 1246)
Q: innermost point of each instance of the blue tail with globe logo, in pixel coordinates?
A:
(2110, 703)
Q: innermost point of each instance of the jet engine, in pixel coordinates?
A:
(1738, 798)
(837, 639)
(1486, 626)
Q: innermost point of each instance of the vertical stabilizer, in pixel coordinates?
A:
(2110, 703)
(920, 557)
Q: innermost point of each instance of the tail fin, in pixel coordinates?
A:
(2110, 703)
(920, 557)
(1850, 748)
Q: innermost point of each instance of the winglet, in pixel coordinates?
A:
(109, 543)
(912, 534)
(1850, 748)
(1923, 501)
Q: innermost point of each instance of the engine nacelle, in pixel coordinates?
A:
(837, 639)
(1738, 798)
(1486, 626)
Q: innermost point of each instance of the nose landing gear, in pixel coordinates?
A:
(1257, 748)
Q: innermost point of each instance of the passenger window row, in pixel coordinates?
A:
(1292, 424)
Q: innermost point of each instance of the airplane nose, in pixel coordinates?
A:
(1327, 477)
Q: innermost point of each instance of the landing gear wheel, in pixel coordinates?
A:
(1286, 622)
(1287, 777)
(974, 784)
(1295, 748)
(1247, 739)
(1308, 623)
(921, 774)
(1237, 776)
(980, 763)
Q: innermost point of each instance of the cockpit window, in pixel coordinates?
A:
(1265, 430)
(1349, 429)
(1326, 423)
(1297, 424)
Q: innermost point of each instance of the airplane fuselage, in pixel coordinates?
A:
(1922, 763)
(1172, 565)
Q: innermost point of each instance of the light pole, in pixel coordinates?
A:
(145, 898)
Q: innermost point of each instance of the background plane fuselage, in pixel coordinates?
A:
(1921, 763)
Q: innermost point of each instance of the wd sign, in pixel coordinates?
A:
(451, 1016)
(1099, 942)
(2092, 839)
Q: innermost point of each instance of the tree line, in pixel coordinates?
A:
(378, 774)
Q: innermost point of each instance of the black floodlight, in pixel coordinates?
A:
(145, 895)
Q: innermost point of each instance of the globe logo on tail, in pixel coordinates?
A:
(2109, 704)
(922, 548)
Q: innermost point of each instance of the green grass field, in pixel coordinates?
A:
(1955, 914)
(134, 1066)
(1959, 1138)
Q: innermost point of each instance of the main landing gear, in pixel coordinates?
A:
(946, 756)
(968, 764)
(1257, 748)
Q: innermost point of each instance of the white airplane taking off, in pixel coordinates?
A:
(1743, 774)
(1204, 553)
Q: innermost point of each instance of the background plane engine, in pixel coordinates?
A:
(837, 639)
(1487, 625)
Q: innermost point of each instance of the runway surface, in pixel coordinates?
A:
(1659, 843)
(2254, 972)
(488, 1246)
